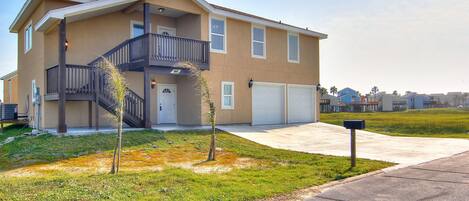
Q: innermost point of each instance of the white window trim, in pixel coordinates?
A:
(27, 48)
(288, 47)
(252, 42)
(223, 106)
(132, 22)
(224, 36)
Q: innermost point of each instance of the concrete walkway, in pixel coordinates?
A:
(335, 140)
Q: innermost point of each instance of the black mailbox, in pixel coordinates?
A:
(354, 124)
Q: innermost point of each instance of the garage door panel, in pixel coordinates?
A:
(301, 104)
(268, 104)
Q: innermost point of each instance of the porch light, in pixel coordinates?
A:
(161, 10)
(250, 83)
(318, 87)
(66, 44)
(153, 83)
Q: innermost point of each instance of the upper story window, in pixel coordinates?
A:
(28, 38)
(293, 48)
(137, 29)
(227, 95)
(258, 42)
(218, 34)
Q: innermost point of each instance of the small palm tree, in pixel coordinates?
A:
(333, 90)
(323, 91)
(395, 93)
(205, 92)
(118, 89)
(374, 90)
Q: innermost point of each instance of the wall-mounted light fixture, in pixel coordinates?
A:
(153, 83)
(318, 87)
(66, 44)
(161, 10)
(250, 83)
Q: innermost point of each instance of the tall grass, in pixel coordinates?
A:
(429, 122)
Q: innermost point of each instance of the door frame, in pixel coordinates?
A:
(283, 85)
(158, 86)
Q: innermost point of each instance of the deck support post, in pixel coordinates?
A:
(96, 96)
(62, 127)
(90, 114)
(146, 73)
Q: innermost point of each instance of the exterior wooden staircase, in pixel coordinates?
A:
(161, 53)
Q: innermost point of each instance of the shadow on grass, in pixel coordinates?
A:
(43, 149)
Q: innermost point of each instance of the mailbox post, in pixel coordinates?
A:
(353, 125)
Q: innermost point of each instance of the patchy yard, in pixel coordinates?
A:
(161, 166)
(445, 123)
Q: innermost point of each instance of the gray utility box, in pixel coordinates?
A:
(354, 124)
(8, 111)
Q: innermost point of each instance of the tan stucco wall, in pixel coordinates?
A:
(239, 67)
(30, 64)
(83, 37)
(14, 90)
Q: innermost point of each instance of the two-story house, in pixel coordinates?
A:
(10, 89)
(260, 71)
(348, 96)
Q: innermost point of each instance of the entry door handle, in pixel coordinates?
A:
(161, 107)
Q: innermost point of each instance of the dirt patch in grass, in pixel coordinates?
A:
(139, 160)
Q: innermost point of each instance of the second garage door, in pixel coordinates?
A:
(268, 103)
(301, 103)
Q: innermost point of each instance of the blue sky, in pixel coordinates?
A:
(417, 45)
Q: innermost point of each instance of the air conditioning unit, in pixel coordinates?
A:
(8, 111)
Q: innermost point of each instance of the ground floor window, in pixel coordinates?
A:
(227, 95)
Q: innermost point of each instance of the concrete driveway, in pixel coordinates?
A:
(329, 139)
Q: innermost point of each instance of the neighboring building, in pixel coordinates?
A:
(391, 103)
(330, 103)
(10, 88)
(348, 96)
(416, 101)
(455, 99)
(261, 71)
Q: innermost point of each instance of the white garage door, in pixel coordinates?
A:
(301, 102)
(268, 103)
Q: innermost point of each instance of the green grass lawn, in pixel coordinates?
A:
(269, 172)
(444, 123)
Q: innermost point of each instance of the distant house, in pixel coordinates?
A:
(348, 96)
(455, 99)
(330, 103)
(10, 90)
(390, 103)
(416, 101)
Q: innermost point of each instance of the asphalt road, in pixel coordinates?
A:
(442, 179)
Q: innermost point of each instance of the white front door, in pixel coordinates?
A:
(167, 103)
(167, 46)
(168, 31)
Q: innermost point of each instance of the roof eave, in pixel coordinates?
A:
(206, 6)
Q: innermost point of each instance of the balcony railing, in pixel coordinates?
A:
(157, 50)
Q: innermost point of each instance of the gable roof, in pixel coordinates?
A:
(347, 89)
(27, 9)
(8, 76)
(95, 7)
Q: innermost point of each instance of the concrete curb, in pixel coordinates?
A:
(315, 190)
